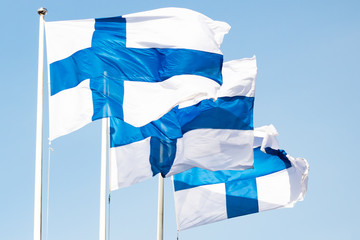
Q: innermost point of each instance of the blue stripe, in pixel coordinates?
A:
(224, 113)
(109, 31)
(71, 71)
(264, 164)
(129, 64)
(166, 128)
(241, 198)
(162, 155)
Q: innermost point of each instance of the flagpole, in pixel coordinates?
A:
(39, 130)
(160, 221)
(104, 147)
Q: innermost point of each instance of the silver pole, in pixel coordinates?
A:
(160, 221)
(104, 144)
(39, 131)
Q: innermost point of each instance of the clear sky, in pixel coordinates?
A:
(307, 86)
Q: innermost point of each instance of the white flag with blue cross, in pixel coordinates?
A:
(215, 135)
(136, 67)
(277, 180)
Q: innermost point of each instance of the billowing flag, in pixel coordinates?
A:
(215, 135)
(136, 67)
(277, 180)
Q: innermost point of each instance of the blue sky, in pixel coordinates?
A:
(307, 86)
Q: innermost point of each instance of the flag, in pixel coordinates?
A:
(136, 67)
(215, 135)
(277, 180)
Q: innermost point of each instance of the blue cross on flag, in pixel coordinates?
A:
(136, 67)
(277, 180)
(214, 135)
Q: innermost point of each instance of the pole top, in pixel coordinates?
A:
(42, 11)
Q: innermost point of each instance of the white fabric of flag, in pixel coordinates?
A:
(136, 67)
(215, 135)
(276, 181)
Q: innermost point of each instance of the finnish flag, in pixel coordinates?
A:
(277, 180)
(136, 67)
(214, 135)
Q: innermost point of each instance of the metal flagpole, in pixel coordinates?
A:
(104, 145)
(39, 131)
(160, 221)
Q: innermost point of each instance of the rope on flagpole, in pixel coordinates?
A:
(48, 191)
(108, 221)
